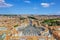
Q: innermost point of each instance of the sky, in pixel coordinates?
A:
(38, 7)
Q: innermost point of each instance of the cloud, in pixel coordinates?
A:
(27, 1)
(4, 4)
(47, 4)
(2, 1)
